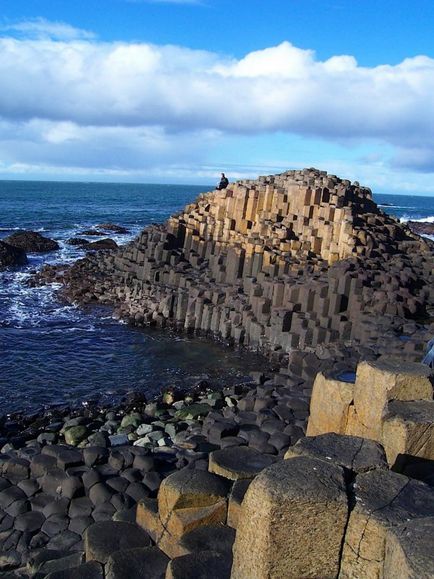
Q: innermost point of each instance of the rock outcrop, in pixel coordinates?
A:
(11, 256)
(32, 242)
(291, 261)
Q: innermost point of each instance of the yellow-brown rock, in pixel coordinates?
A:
(380, 382)
(408, 431)
(292, 522)
(329, 406)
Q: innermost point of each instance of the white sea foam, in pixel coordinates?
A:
(428, 219)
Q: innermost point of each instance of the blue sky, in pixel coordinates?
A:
(175, 91)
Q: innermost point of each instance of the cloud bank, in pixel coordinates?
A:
(69, 100)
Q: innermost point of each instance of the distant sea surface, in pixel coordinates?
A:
(52, 353)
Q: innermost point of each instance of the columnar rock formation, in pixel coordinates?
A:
(287, 261)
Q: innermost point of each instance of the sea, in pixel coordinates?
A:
(56, 354)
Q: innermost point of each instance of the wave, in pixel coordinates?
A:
(429, 219)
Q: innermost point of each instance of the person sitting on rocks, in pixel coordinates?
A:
(224, 182)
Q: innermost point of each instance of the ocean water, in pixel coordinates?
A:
(53, 353)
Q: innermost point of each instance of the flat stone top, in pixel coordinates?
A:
(393, 497)
(420, 411)
(397, 366)
(193, 482)
(238, 462)
(352, 452)
(416, 539)
(301, 479)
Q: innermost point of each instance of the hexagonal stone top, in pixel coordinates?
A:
(238, 462)
(352, 452)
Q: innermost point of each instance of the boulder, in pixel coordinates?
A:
(238, 462)
(11, 256)
(383, 499)
(105, 538)
(292, 522)
(31, 242)
(101, 244)
(78, 241)
(409, 550)
(408, 431)
(351, 452)
(329, 405)
(204, 565)
(113, 227)
(380, 382)
(149, 562)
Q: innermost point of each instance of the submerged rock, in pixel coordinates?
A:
(31, 241)
(11, 256)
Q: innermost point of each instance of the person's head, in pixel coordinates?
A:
(223, 175)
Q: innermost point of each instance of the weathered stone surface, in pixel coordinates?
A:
(329, 405)
(236, 498)
(11, 256)
(149, 562)
(293, 521)
(408, 431)
(204, 565)
(410, 550)
(181, 521)
(104, 538)
(352, 452)
(239, 462)
(90, 570)
(209, 538)
(380, 382)
(383, 499)
(31, 241)
(190, 488)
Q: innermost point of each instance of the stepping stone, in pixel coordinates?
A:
(106, 537)
(352, 452)
(205, 565)
(219, 539)
(149, 562)
(64, 455)
(90, 570)
(29, 522)
(239, 462)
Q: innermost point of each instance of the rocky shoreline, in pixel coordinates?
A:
(315, 295)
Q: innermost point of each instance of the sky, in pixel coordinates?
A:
(176, 91)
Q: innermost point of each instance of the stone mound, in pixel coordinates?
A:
(32, 242)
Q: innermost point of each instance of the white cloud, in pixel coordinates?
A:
(41, 28)
(82, 102)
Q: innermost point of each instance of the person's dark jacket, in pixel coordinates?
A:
(224, 182)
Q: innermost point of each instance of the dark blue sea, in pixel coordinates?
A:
(52, 353)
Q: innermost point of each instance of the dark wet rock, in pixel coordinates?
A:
(10, 495)
(101, 244)
(209, 538)
(66, 540)
(30, 522)
(92, 233)
(204, 565)
(75, 434)
(90, 570)
(9, 560)
(11, 256)
(148, 562)
(100, 493)
(421, 227)
(113, 227)
(31, 242)
(105, 538)
(95, 455)
(64, 455)
(78, 241)
(55, 525)
(56, 506)
(58, 483)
